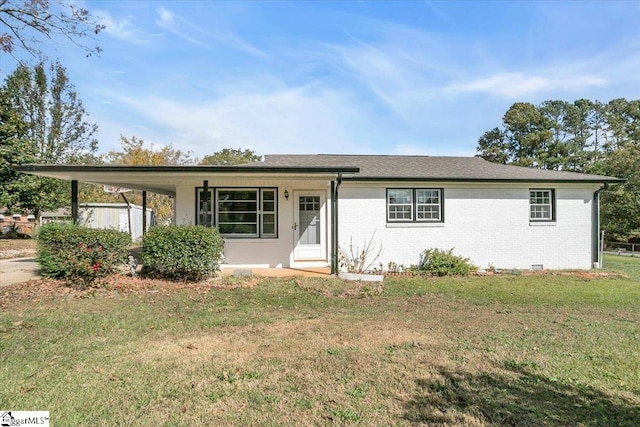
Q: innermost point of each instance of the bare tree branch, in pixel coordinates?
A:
(26, 22)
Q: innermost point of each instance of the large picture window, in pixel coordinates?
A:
(241, 212)
(237, 212)
(414, 205)
(541, 205)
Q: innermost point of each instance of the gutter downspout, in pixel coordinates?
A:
(334, 216)
(597, 244)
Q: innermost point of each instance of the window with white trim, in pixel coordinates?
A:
(414, 205)
(240, 212)
(541, 204)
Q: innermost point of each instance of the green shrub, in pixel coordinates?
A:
(182, 252)
(444, 263)
(80, 255)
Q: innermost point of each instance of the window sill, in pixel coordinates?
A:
(542, 223)
(414, 224)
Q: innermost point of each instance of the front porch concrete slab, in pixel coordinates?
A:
(282, 272)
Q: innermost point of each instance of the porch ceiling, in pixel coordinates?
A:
(164, 179)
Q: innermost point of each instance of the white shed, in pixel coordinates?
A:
(118, 216)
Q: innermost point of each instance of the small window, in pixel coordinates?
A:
(414, 205)
(541, 205)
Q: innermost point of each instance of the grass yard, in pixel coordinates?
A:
(547, 350)
(627, 265)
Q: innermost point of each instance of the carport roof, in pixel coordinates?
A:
(162, 179)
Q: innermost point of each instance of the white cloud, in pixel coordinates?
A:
(166, 17)
(237, 43)
(167, 20)
(404, 69)
(122, 28)
(186, 29)
(519, 85)
(306, 119)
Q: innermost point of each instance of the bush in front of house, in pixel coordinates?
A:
(182, 252)
(444, 263)
(80, 255)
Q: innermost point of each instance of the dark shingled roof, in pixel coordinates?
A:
(383, 167)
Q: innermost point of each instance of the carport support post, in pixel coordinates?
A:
(74, 201)
(144, 212)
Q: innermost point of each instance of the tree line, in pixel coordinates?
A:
(582, 136)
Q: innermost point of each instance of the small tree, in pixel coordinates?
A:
(360, 259)
(230, 156)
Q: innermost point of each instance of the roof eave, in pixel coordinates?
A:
(32, 168)
(609, 180)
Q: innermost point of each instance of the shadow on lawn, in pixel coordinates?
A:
(515, 398)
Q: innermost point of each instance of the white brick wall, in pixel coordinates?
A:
(487, 223)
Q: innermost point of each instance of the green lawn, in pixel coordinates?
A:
(627, 265)
(552, 350)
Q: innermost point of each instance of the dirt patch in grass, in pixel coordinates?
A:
(17, 248)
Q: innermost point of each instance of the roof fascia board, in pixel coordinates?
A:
(609, 180)
(188, 169)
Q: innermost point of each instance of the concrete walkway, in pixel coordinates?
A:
(18, 270)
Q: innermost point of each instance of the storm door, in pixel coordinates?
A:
(310, 226)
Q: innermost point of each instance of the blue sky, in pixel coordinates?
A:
(420, 77)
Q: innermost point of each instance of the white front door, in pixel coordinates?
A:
(310, 226)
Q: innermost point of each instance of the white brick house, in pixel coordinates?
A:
(298, 210)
